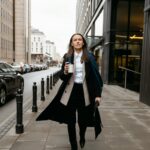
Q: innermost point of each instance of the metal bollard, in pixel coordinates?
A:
(53, 79)
(42, 90)
(34, 106)
(47, 87)
(51, 82)
(19, 114)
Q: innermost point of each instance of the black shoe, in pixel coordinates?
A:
(82, 143)
(74, 146)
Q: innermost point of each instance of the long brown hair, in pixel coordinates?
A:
(71, 48)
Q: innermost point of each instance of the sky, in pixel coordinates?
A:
(57, 19)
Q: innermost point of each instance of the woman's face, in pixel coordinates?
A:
(77, 42)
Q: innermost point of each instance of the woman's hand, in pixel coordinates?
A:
(97, 101)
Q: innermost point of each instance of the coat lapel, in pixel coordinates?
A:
(87, 68)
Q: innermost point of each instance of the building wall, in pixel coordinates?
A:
(48, 48)
(0, 30)
(145, 73)
(53, 51)
(121, 20)
(86, 14)
(38, 46)
(22, 33)
(92, 21)
(15, 30)
(6, 30)
(38, 43)
(108, 32)
(107, 40)
(42, 50)
(28, 30)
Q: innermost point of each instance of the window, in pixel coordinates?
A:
(126, 39)
(99, 25)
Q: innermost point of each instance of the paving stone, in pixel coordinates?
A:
(126, 126)
(28, 145)
(7, 142)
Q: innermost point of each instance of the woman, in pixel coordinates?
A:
(79, 91)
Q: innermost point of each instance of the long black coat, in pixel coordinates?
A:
(59, 112)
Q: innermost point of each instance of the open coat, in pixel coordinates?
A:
(58, 111)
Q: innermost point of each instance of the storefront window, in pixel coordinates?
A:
(127, 36)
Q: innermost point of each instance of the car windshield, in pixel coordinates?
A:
(2, 67)
(15, 64)
(5, 68)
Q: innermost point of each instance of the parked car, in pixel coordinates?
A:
(26, 68)
(10, 81)
(38, 67)
(32, 66)
(18, 67)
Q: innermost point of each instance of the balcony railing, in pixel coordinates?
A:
(126, 70)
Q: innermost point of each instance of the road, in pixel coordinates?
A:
(8, 111)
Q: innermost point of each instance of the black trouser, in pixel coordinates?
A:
(76, 102)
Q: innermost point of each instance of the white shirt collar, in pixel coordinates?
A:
(78, 54)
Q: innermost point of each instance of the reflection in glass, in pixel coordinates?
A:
(127, 36)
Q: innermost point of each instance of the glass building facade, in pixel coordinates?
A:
(120, 23)
(126, 37)
(123, 27)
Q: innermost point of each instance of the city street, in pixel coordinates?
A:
(8, 111)
(125, 119)
(71, 42)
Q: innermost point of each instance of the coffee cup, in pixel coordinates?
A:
(70, 68)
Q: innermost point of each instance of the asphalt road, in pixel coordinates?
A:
(8, 111)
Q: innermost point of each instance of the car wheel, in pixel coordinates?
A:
(2, 96)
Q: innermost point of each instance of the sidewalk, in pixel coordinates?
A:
(126, 126)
